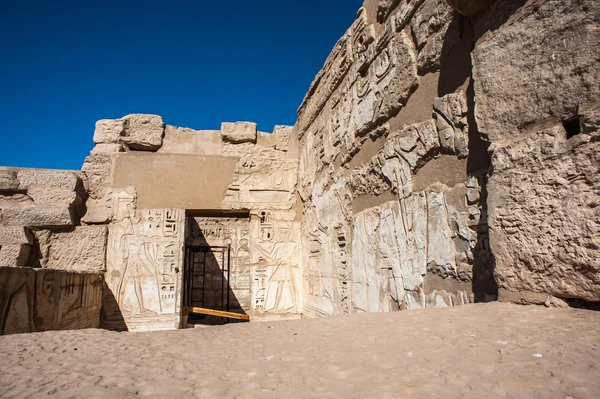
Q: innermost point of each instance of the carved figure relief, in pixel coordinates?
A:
(143, 264)
(267, 179)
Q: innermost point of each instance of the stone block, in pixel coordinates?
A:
(38, 216)
(12, 255)
(143, 132)
(43, 195)
(47, 179)
(543, 209)
(539, 82)
(238, 132)
(82, 249)
(57, 291)
(15, 235)
(282, 136)
(17, 286)
(98, 170)
(109, 131)
(8, 179)
(97, 212)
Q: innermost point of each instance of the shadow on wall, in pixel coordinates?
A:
(208, 273)
(36, 300)
(455, 74)
(111, 316)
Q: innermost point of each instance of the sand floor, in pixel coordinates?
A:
(475, 351)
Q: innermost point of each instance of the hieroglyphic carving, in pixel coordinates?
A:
(326, 232)
(275, 259)
(144, 260)
(264, 179)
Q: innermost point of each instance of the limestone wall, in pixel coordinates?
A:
(148, 181)
(396, 179)
(543, 119)
(35, 300)
(446, 153)
(384, 177)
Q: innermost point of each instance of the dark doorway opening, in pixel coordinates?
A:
(210, 266)
(205, 267)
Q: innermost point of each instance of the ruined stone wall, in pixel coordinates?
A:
(35, 300)
(50, 266)
(446, 153)
(148, 182)
(395, 136)
(536, 72)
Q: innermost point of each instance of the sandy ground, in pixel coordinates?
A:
(491, 350)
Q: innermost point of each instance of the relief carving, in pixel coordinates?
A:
(144, 260)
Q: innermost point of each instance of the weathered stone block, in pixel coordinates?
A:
(8, 180)
(539, 66)
(435, 34)
(38, 216)
(98, 170)
(57, 291)
(238, 132)
(452, 123)
(47, 179)
(82, 249)
(143, 132)
(15, 235)
(17, 286)
(42, 195)
(97, 212)
(109, 131)
(543, 209)
(14, 255)
(282, 136)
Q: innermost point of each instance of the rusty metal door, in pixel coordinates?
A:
(207, 277)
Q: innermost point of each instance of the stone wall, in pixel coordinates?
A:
(148, 180)
(35, 300)
(446, 153)
(388, 194)
(425, 123)
(543, 119)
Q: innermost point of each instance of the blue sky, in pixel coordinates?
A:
(65, 64)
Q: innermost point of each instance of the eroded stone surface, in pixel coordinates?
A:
(540, 82)
(544, 201)
(378, 199)
(82, 249)
(109, 131)
(238, 132)
(282, 136)
(143, 132)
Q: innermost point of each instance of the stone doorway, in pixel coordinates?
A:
(207, 275)
(217, 270)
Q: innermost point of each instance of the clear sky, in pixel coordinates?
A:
(66, 63)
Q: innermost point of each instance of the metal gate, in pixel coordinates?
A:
(207, 277)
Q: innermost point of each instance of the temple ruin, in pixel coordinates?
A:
(447, 153)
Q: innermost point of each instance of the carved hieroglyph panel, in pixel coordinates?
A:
(275, 261)
(144, 263)
(265, 258)
(388, 261)
(326, 236)
(263, 179)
